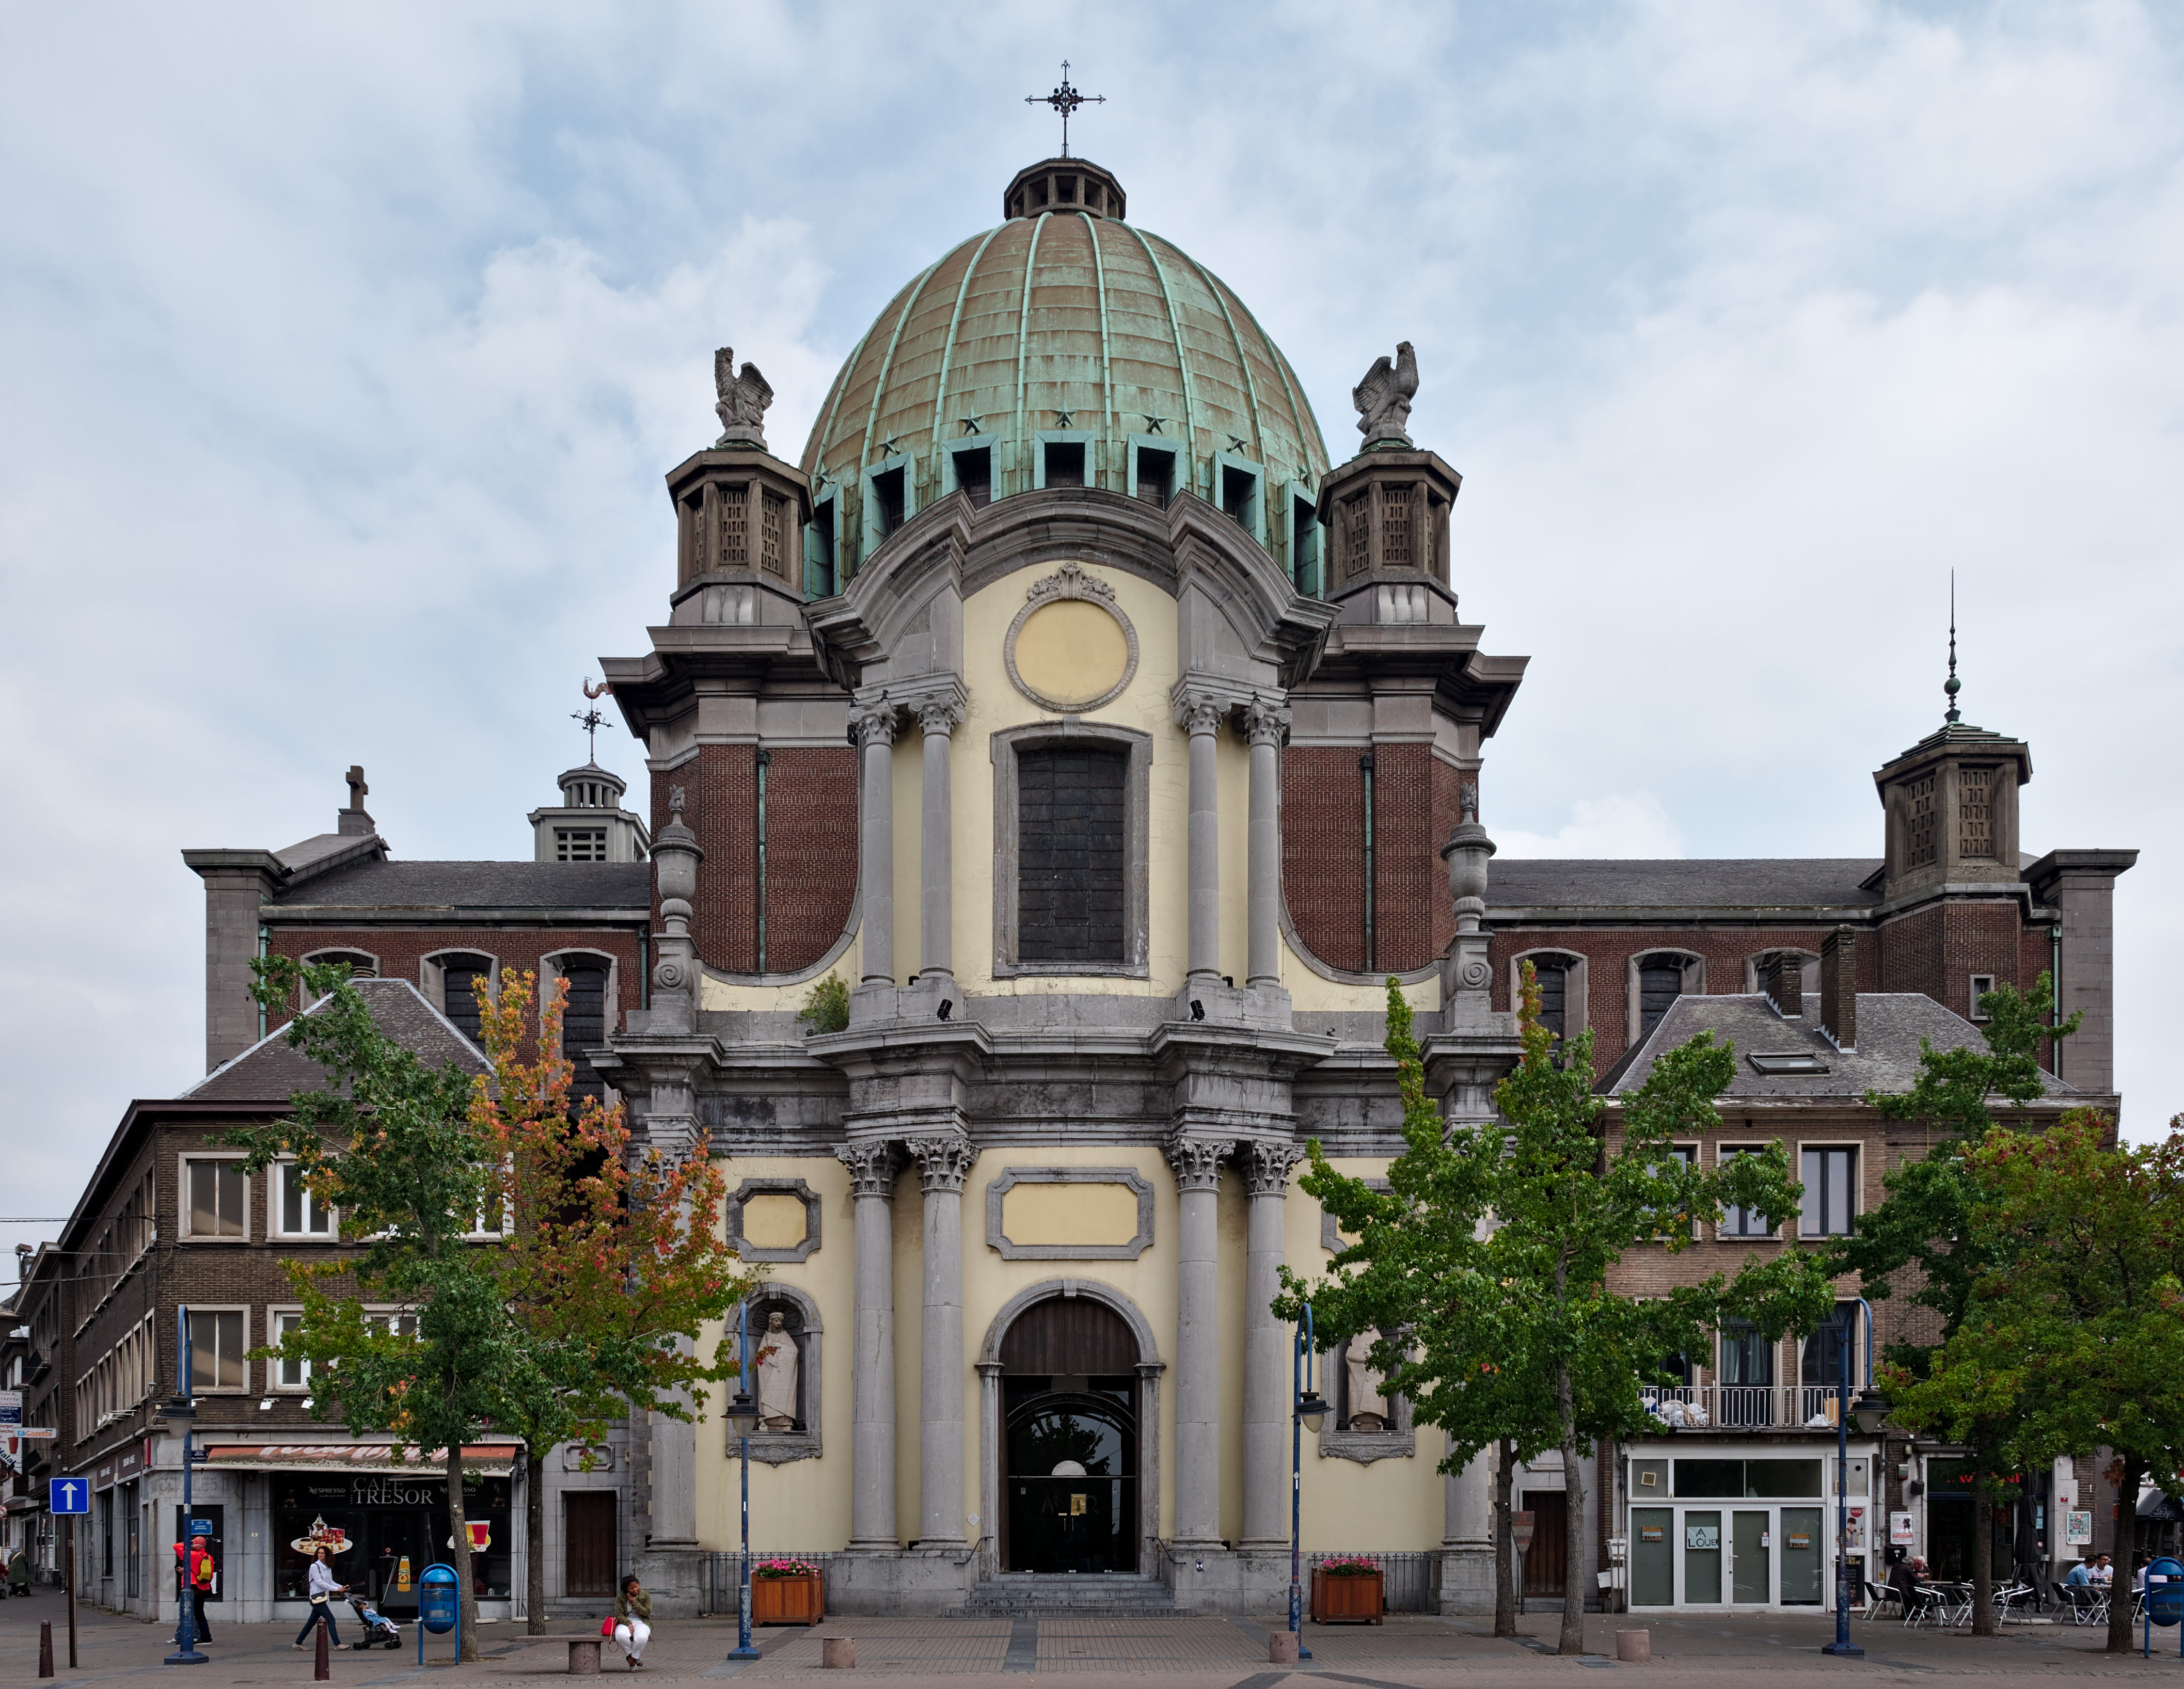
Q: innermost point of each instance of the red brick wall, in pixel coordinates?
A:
(1323, 850)
(720, 789)
(401, 949)
(811, 851)
(1448, 809)
(1937, 949)
(1403, 859)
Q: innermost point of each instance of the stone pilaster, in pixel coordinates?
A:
(875, 729)
(1197, 1165)
(936, 907)
(944, 1162)
(1198, 714)
(872, 1167)
(1267, 1371)
(1266, 724)
(1467, 1543)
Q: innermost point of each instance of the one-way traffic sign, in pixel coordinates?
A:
(69, 1495)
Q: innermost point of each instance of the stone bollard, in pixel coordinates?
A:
(321, 1669)
(1282, 1649)
(837, 1651)
(1633, 1647)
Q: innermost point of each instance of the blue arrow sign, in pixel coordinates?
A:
(69, 1495)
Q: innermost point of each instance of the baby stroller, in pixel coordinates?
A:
(379, 1629)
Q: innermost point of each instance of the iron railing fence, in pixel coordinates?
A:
(724, 1572)
(1409, 1580)
(1743, 1406)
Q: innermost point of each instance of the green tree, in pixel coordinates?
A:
(1921, 1238)
(388, 1142)
(614, 1261)
(2073, 1339)
(1489, 1255)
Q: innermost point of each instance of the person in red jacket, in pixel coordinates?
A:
(201, 1576)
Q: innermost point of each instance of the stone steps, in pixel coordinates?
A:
(1066, 1595)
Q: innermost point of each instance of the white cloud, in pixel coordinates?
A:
(1632, 824)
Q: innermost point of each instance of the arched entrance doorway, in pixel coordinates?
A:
(1071, 1401)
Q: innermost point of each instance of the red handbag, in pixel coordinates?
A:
(606, 1629)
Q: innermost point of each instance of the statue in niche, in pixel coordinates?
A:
(777, 1375)
(743, 400)
(1368, 1404)
(1383, 398)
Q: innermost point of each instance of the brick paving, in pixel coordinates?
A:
(1408, 1651)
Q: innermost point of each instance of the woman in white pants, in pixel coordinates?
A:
(633, 1621)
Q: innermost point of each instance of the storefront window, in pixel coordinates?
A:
(384, 1529)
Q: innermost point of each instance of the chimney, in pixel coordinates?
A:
(354, 819)
(1839, 987)
(1786, 984)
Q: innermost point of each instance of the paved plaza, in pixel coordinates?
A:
(1405, 1652)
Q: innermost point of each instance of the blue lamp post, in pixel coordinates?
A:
(184, 1407)
(1870, 1409)
(742, 1413)
(1308, 1409)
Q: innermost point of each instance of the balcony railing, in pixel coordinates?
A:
(1743, 1406)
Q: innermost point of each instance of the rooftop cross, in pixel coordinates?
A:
(1065, 99)
(1953, 686)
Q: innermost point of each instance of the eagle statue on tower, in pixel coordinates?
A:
(743, 400)
(1383, 398)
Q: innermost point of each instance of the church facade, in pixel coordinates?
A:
(1110, 745)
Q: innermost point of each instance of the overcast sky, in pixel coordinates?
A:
(342, 350)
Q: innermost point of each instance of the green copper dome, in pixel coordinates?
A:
(1066, 325)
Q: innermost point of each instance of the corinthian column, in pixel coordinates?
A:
(1266, 722)
(935, 876)
(871, 1376)
(1266, 1404)
(1197, 1165)
(876, 839)
(1200, 716)
(944, 1163)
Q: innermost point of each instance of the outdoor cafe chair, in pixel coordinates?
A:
(1928, 1600)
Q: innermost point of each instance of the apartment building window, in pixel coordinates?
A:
(1743, 1222)
(215, 1199)
(1830, 1187)
(1747, 1356)
(217, 1338)
(290, 1372)
(302, 1213)
(1823, 1363)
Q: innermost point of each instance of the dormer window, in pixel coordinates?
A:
(1156, 483)
(1065, 462)
(1239, 491)
(974, 475)
(887, 501)
(1304, 546)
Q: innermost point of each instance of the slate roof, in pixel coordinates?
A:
(271, 1071)
(388, 886)
(1889, 1026)
(1524, 883)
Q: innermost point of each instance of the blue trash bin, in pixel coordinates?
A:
(2165, 1597)
(438, 1609)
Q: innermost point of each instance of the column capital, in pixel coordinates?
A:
(1197, 1161)
(875, 720)
(937, 718)
(944, 1162)
(1266, 721)
(1198, 712)
(872, 1167)
(1268, 1166)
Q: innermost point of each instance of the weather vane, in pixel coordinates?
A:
(591, 720)
(1065, 99)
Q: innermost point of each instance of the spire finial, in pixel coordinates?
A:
(1065, 99)
(1953, 686)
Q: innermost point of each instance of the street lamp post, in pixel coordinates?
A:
(1307, 1407)
(743, 1412)
(1870, 1409)
(184, 1407)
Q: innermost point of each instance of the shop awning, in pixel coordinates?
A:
(494, 1459)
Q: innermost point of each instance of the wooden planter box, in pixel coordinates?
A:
(788, 1601)
(1345, 1600)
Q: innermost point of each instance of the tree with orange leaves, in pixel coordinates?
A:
(614, 1260)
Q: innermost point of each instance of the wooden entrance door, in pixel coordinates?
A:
(588, 1543)
(1546, 1562)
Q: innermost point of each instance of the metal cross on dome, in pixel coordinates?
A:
(1065, 99)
